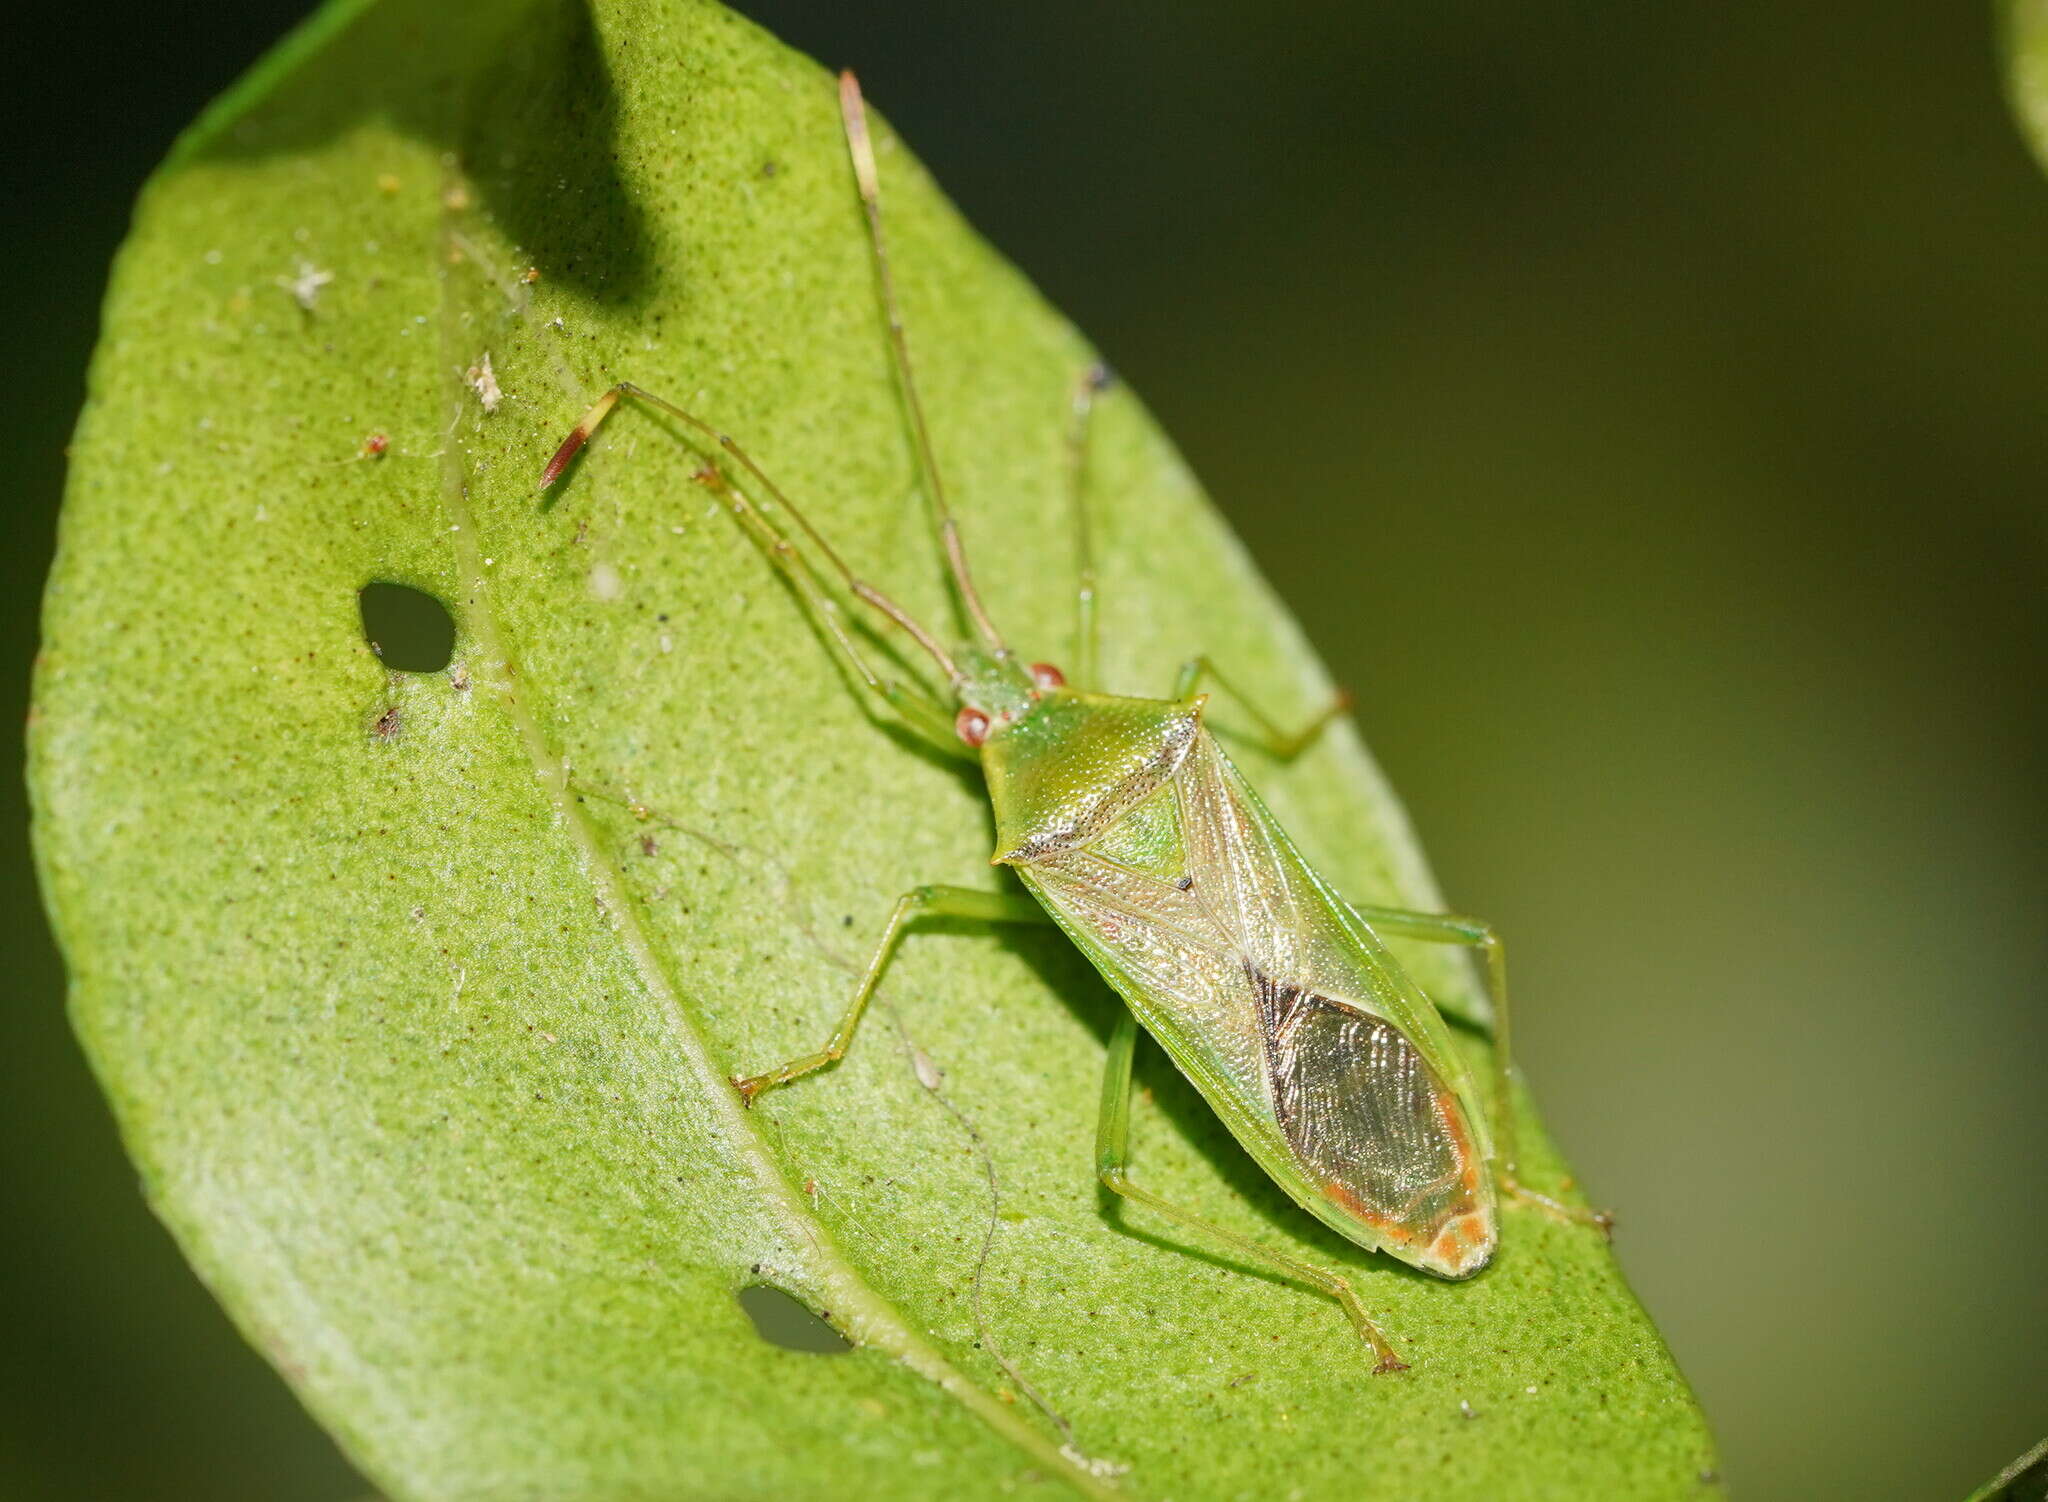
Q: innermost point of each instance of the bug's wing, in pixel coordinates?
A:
(1275, 908)
(1183, 978)
(1271, 904)
(1299, 1028)
(1372, 1095)
(1334, 1102)
(1377, 1129)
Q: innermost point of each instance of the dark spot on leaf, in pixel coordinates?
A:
(410, 629)
(783, 1320)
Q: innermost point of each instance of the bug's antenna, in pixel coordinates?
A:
(854, 114)
(1092, 383)
(857, 586)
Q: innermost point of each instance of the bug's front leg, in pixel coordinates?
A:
(918, 902)
(1283, 744)
(1476, 933)
(1112, 1151)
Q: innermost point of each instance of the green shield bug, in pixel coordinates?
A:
(1130, 828)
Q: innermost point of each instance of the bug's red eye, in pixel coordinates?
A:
(971, 725)
(1045, 675)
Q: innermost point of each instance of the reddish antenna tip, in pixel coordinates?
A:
(580, 435)
(853, 114)
(563, 455)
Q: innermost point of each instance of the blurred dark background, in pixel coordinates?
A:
(1641, 405)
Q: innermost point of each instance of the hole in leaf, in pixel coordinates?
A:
(410, 629)
(784, 1320)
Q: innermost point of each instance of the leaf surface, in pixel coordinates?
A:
(419, 1034)
(2023, 34)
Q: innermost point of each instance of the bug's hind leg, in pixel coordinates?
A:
(1112, 1150)
(1476, 933)
(1283, 744)
(918, 902)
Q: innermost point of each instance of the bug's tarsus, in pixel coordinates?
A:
(853, 113)
(1601, 1220)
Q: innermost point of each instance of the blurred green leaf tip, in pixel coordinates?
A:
(415, 982)
(2023, 27)
(2025, 1480)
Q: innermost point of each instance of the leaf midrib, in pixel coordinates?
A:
(865, 1316)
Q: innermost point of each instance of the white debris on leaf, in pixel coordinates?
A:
(305, 287)
(1102, 1470)
(484, 381)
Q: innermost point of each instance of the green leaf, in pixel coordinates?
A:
(2025, 1480)
(2024, 35)
(421, 1044)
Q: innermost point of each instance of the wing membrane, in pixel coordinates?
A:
(1265, 896)
(1183, 977)
(1371, 1121)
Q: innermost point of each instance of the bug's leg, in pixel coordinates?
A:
(1087, 633)
(1284, 744)
(1112, 1150)
(1476, 933)
(918, 902)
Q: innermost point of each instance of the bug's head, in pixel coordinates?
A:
(996, 690)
